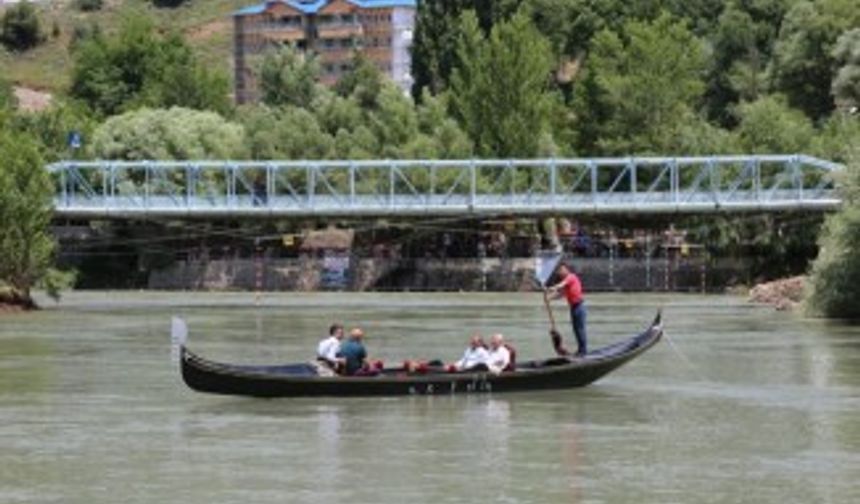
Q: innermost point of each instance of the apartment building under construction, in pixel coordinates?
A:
(332, 29)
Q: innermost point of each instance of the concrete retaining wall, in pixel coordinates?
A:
(307, 274)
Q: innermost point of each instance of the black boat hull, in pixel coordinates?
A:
(203, 375)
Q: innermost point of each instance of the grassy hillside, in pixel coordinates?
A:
(206, 24)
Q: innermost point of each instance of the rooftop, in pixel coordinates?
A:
(313, 6)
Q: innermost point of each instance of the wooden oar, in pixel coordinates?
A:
(549, 312)
(545, 265)
(553, 332)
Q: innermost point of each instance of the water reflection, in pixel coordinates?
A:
(91, 408)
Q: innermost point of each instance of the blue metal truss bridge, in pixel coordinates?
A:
(471, 187)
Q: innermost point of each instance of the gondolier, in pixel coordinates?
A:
(570, 288)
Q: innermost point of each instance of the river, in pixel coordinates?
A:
(740, 404)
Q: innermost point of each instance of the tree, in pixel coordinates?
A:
(289, 77)
(26, 245)
(288, 132)
(834, 284)
(770, 126)
(437, 26)
(846, 84)
(186, 82)
(51, 128)
(163, 134)
(836, 138)
(19, 28)
(138, 67)
(364, 82)
(501, 89)
(638, 87)
(803, 63)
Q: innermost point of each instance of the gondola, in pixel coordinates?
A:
(302, 380)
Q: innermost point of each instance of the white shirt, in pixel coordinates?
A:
(498, 359)
(328, 349)
(472, 357)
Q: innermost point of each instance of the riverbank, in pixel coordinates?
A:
(784, 294)
(10, 303)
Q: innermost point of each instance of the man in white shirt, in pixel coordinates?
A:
(475, 355)
(499, 356)
(328, 348)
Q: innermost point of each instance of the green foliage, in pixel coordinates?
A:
(769, 126)
(285, 133)
(803, 57)
(7, 95)
(139, 67)
(846, 84)
(437, 34)
(500, 89)
(164, 134)
(51, 128)
(19, 28)
(188, 83)
(834, 284)
(26, 245)
(364, 82)
(836, 138)
(638, 87)
(54, 281)
(289, 77)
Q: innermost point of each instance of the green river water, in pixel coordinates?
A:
(741, 404)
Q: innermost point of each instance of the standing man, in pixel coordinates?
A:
(571, 288)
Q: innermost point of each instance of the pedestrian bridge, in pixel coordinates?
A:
(472, 187)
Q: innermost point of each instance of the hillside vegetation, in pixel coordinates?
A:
(206, 24)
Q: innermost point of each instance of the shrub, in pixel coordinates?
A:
(89, 5)
(19, 28)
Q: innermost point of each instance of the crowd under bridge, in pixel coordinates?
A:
(467, 188)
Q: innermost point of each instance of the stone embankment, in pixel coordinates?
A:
(488, 274)
(784, 294)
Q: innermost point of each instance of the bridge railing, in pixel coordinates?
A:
(474, 186)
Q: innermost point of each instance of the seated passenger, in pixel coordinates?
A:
(499, 358)
(475, 357)
(355, 356)
(328, 348)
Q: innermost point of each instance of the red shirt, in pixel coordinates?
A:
(572, 288)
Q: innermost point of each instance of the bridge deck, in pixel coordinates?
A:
(452, 187)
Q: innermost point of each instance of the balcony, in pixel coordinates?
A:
(338, 30)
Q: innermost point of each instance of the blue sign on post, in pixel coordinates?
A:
(75, 140)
